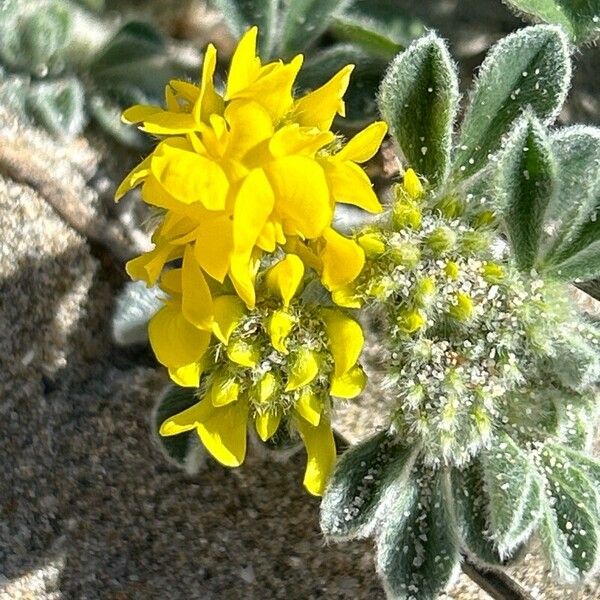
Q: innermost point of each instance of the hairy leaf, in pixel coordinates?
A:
(361, 478)
(579, 18)
(526, 183)
(377, 26)
(418, 98)
(417, 551)
(529, 68)
(304, 21)
(243, 14)
(570, 529)
(58, 106)
(469, 502)
(572, 214)
(513, 491)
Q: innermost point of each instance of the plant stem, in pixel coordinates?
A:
(498, 584)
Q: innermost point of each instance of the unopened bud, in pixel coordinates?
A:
(410, 321)
(462, 310)
(441, 240)
(373, 243)
(406, 254)
(412, 184)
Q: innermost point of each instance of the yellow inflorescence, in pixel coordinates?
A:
(243, 177)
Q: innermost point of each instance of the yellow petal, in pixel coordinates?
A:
(301, 195)
(149, 265)
(266, 387)
(350, 384)
(273, 88)
(349, 184)
(174, 340)
(304, 368)
(196, 302)
(243, 353)
(267, 239)
(214, 243)
(342, 258)
(266, 425)
(170, 282)
(187, 375)
(139, 112)
(364, 144)
(189, 177)
(293, 139)
(242, 272)
(279, 327)
(243, 136)
(228, 311)
(244, 64)
(253, 205)
(224, 389)
(347, 297)
(320, 448)
(345, 338)
(412, 184)
(185, 420)
(309, 406)
(184, 90)
(319, 107)
(208, 101)
(222, 430)
(133, 178)
(169, 123)
(285, 277)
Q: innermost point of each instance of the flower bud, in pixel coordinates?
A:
(493, 272)
(406, 254)
(441, 240)
(451, 269)
(412, 184)
(450, 207)
(424, 291)
(373, 243)
(462, 310)
(406, 214)
(410, 321)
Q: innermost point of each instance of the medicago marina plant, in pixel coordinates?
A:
(491, 369)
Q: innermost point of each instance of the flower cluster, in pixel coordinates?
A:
(245, 183)
(473, 344)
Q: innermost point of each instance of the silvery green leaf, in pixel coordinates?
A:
(377, 26)
(587, 464)
(34, 40)
(513, 492)
(469, 503)
(569, 529)
(362, 477)
(418, 98)
(135, 304)
(108, 115)
(183, 449)
(303, 21)
(526, 182)
(58, 106)
(529, 68)
(417, 551)
(572, 214)
(581, 20)
(243, 14)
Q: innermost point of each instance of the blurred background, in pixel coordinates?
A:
(90, 506)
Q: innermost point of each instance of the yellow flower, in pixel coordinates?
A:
(272, 366)
(250, 169)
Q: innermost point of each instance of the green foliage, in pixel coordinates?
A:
(513, 493)
(183, 448)
(527, 176)
(367, 33)
(527, 69)
(417, 553)
(418, 99)
(65, 64)
(380, 28)
(579, 18)
(365, 474)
